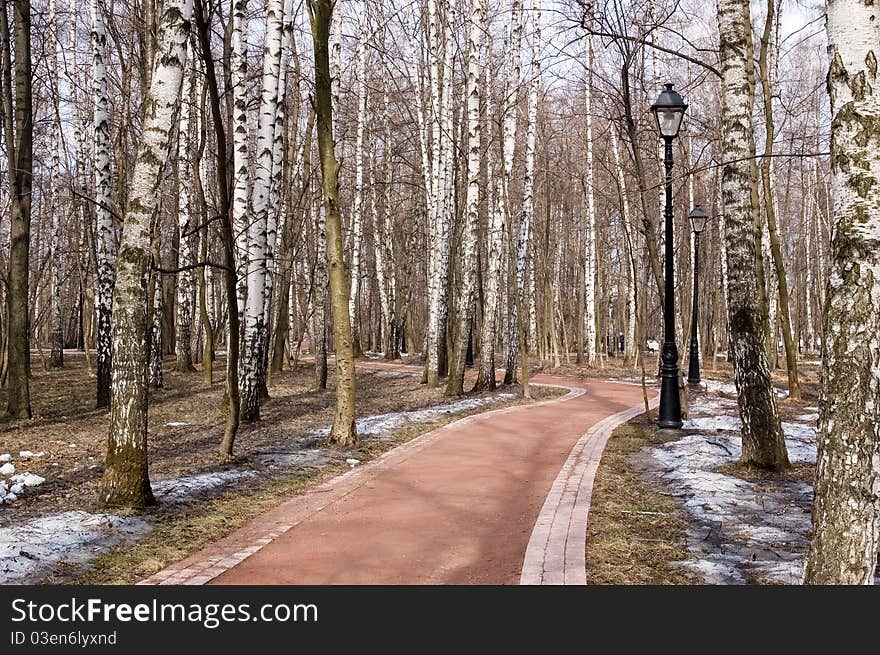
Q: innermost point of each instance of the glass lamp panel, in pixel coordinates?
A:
(669, 121)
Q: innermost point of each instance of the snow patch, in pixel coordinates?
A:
(27, 454)
(5, 457)
(176, 424)
(7, 469)
(382, 426)
(29, 552)
(743, 532)
(178, 490)
(715, 423)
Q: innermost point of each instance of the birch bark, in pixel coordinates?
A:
(106, 232)
(358, 205)
(763, 441)
(255, 327)
(126, 479)
(240, 168)
(464, 308)
(846, 508)
(56, 63)
(185, 220)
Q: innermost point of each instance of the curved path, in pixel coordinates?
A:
(500, 497)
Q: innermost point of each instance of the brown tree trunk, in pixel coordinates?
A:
(18, 128)
(343, 431)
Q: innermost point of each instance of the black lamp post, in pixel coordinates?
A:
(669, 112)
(698, 223)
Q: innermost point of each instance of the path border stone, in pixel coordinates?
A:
(555, 554)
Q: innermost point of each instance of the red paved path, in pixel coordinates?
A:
(457, 505)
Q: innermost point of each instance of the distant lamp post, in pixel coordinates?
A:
(698, 223)
(669, 112)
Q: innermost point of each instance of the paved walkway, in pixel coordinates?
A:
(496, 498)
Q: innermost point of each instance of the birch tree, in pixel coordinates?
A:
(241, 174)
(106, 231)
(468, 263)
(511, 90)
(763, 442)
(126, 479)
(590, 222)
(56, 63)
(185, 216)
(846, 507)
(495, 247)
(255, 328)
(358, 204)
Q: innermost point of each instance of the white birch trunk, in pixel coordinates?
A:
(464, 308)
(186, 220)
(511, 91)
(846, 508)
(528, 210)
(241, 169)
(437, 203)
(762, 437)
(125, 479)
(106, 232)
(495, 247)
(357, 208)
(56, 63)
(590, 223)
(258, 217)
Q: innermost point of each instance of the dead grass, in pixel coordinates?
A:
(635, 534)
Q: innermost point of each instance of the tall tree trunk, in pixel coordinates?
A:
(590, 227)
(241, 168)
(846, 509)
(224, 182)
(468, 264)
(18, 127)
(106, 231)
(357, 209)
(319, 319)
(126, 479)
(56, 357)
(259, 250)
(768, 82)
(763, 441)
(494, 247)
(511, 91)
(186, 218)
(343, 432)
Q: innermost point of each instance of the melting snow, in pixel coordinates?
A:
(177, 490)
(29, 552)
(382, 425)
(5, 457)
(743, 532)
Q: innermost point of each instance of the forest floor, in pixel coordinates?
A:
(673, 507)
(55, 531)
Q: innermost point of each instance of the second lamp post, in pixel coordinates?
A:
(669, 112)
(698, 223)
